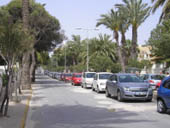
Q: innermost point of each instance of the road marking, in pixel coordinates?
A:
(23, 121)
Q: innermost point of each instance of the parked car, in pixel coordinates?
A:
(76, 78)
(153, 79)
(99, 82)
(163, 96)
(87, 79)
(67, 77)
(128, 87)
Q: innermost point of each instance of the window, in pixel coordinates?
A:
(90, 75)
(104, 76)
(129, 78)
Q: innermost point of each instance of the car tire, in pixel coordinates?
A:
(93, 89)
(82, 85)
(107, 93)
(161, 107)
(119, 96)
(98, 91)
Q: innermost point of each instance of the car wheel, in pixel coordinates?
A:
(82, 85)
(119, 96)
(161, 108)
(107, 93)
(93, 89)
(98, 91)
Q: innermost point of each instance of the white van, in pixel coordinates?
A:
(87, 79)
(99, 82)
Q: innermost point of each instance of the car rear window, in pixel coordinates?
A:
(90, 75)
(104, 76)
(157, 77)
(68, 75)
(78, 75)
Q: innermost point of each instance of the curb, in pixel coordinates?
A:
(23, 121)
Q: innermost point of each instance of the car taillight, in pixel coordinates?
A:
(151, 81)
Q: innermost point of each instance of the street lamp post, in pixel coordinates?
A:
(87, 42)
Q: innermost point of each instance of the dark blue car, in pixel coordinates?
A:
(163, 97)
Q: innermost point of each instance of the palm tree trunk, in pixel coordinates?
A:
(123, 42)
(25, 80)
(116, 36)
(134, 43)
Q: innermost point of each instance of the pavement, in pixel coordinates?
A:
(17, 112)
(56, 104)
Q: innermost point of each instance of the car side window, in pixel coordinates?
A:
(167, 85)
(95, 77)
(111, 78)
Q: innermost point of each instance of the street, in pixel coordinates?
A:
(56, 104)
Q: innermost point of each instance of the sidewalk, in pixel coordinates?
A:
(17, 112)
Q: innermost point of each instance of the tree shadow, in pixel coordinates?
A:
(79, 116)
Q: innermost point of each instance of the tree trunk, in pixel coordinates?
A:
(33, 65)
(25, 80)
(123, 42)
(25, 14)
(134, 43)
(25, 76)
(119, 51)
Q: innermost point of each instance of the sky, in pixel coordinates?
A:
(74, 14)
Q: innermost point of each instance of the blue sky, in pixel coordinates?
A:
(74, 14)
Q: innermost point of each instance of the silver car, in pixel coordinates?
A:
(128, 87)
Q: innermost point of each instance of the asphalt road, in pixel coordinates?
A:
(57, 104)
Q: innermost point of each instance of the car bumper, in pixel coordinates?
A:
(88, 85)
(137, 95)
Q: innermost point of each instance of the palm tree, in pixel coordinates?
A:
(103, 46)
(137, 12)
(112, 21)
(166, 7)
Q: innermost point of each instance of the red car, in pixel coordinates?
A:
(158, 84)
(76, 79)
(67, 77)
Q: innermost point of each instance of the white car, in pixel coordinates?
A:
(87, 79)
(99, 82)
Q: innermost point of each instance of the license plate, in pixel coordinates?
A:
(140, 93)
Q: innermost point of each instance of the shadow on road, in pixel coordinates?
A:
(79, 116)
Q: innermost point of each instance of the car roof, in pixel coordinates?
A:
(124, 74)
(103, 73)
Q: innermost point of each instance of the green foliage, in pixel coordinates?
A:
(101, 64)
(13, 40)
(43, 58)
(101, 49)
(139, 64)
(160, 41)
(44, 27)
(165, 10)
(5, 79)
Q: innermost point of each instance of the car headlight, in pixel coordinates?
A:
(126, 89)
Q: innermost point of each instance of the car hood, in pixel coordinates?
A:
(135, 85)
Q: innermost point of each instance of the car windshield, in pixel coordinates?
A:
(129, 78)
(78, 75)
(90, 75)
(104, 76)
(68, 75)
(157, 77)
